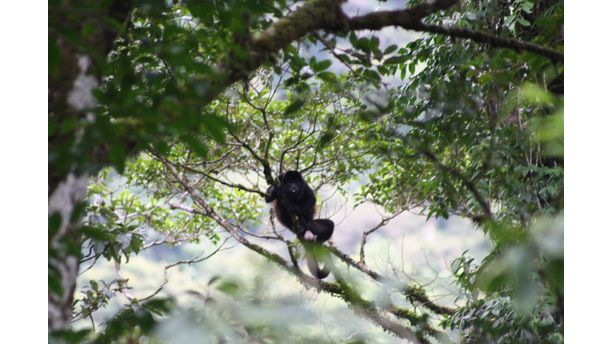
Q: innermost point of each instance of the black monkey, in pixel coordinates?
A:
(294, 196)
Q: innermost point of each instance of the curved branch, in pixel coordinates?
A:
(493, 40)
(194, 260)
(410, 19)
(382, 223)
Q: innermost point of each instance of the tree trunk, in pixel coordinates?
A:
(70, 99)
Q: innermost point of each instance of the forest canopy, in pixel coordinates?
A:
(168, 121)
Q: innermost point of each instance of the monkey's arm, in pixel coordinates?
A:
(270, 194)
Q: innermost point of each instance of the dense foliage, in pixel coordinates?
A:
(438, 124)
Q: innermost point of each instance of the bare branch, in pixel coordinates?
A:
(383, 222)
(194, 260)
(264, 162)
(236, 185)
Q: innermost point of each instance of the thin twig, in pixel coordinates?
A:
(383, 222)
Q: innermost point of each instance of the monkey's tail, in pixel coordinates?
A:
(313, 265)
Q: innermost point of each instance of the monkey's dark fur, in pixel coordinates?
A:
(294, 196)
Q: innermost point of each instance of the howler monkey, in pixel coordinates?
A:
(294, 196)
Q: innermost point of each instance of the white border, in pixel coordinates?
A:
(23, 129)
(588, 129)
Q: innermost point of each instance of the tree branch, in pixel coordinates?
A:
(236, 186)
(194, 260)
(488, 214)
(414, 294)
(383, 222)
(407, 18)
(493, 40)
(410, 19)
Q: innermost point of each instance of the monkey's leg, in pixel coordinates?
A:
(308, 235)
(322, 229)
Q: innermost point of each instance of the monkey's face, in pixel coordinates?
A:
(293, 185)
(293, 190)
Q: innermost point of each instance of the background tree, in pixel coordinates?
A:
(465, 120)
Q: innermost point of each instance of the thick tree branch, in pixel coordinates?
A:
(410, 19)
(493, 40)
(312, 16)
(368, 309)
(414, 294)
(407, 18)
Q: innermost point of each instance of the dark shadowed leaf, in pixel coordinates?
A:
(293, 107)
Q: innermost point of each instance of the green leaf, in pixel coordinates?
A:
(55, 220)
(54, 56)
(382, 70)
(326, 138)
(327, 76)
(363, 44)
(396, 59)
(70, 336)
(372, 75)
(353, 38)
(228, 287)
(293, 107)
(215, 126)
(136, 243)
(390, 49)
(536, 95)
(97, 233)
(523, 22)
(321, 65)
(159, 306)
(55, 285)
(374, 43)
(196, 145)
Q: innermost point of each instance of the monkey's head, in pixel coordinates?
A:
(292, 185)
